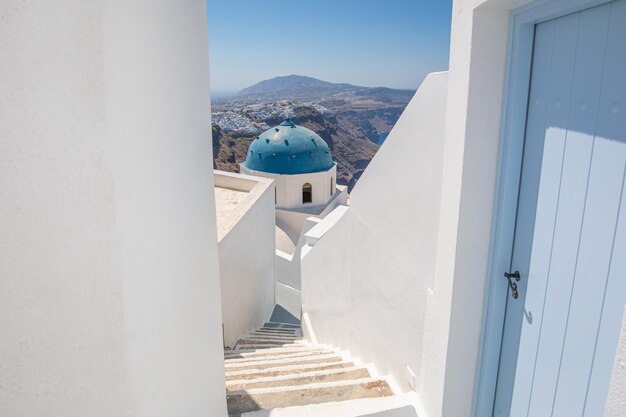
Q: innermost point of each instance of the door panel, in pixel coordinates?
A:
(546, 86)
(611, 138)
(567, 229)
(582, 111)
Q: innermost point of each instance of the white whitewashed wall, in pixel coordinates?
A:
(109, 285)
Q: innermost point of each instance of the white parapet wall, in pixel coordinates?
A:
(288, 275)
(292, 220)
(368, 271)
(246, 241)
(109, 281)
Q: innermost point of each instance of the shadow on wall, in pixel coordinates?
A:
(281, 315)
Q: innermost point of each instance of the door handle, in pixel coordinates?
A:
(513, 284)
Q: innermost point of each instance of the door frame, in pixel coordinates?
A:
(512, 133)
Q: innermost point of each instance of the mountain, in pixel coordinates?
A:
(309, 88)
(351, 119)
(291, 85)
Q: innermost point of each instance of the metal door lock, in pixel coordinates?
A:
(513, 284)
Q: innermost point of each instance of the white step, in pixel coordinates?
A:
(314, 386)
(270, 324)
(270, 342)
(273, 338)
(272, 397)
(262, 364)
(301, 378)
(285, 370)
(404, 405)
(273, 334)
(286, 333)
(257, 346)
(302, 354)
(242, 353)
(277, 330)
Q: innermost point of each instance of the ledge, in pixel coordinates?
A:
(235, 194)
(318, 231)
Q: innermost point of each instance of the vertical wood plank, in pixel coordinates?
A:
(558, 115)
(611, 141)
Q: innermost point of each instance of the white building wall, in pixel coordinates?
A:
(448, 316)
(247, 268)
(109, 288)
(368, 283)
(287, 271)
(289, 187)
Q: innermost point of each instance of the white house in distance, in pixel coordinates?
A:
(512, 162)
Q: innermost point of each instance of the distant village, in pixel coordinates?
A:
(254, 118)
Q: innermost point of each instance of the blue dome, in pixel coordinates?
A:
(289, 149)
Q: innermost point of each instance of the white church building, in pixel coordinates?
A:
(300, 163)
(493, 286)
(305, 190)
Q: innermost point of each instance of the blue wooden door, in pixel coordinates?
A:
(561, 334)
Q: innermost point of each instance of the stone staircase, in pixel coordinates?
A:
(274, 368)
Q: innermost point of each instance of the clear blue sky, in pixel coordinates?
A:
(391, 43)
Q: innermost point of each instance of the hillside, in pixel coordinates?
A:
(349, 118)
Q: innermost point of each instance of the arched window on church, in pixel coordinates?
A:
(332, 186)
(307, 193)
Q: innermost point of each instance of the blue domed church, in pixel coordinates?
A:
(304, 173)
(289, 149)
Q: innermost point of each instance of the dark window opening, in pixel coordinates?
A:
(307, 193)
